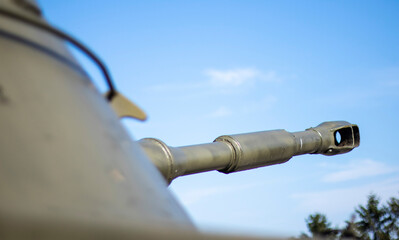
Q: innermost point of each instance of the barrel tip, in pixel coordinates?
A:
(339, 137)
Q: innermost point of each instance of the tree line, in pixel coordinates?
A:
(373, 221)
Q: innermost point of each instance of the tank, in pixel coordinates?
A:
(68, 168)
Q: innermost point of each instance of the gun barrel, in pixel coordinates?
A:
(232, 153)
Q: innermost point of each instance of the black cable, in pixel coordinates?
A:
(66, 37)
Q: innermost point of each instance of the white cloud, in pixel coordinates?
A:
(176, 87)
(358, 169)
(233, 77)
(239, 76)
(249, 107)
(217, 82)
(220, 112)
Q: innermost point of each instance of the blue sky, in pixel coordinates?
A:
(201, 69)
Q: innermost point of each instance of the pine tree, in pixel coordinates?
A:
(372, 220)
(350, 230)
(393, 215)
(319, 226)
(376, 222)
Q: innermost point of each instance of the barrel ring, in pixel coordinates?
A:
(236, 152)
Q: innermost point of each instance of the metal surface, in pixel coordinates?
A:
(65, 157)
(231, 153)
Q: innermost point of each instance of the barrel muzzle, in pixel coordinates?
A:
(337, 137)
